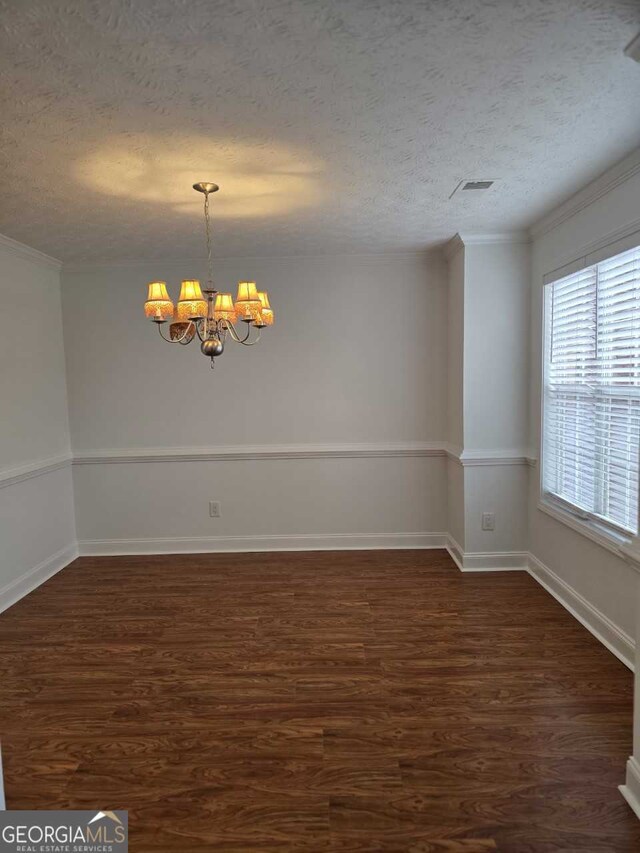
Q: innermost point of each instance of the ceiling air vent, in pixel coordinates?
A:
(472, 185)
(477, 185)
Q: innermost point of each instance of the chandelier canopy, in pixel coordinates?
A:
(204, 313)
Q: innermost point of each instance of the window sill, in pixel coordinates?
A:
(602, 535)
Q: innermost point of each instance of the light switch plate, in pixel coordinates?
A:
(488, 521)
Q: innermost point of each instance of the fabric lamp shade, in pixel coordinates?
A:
(248, 305)
(191, 305)
(224, 309)
(247, 291)
(267, 313)
(158, 306)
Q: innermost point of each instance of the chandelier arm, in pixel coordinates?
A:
(248, 343)
(232, 331)
(179, 340)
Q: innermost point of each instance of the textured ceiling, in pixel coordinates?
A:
(331, 125)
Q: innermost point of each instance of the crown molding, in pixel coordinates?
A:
(600, 186)
(369, 258)
(452, 247)
(632, 50)
(20, 250)
(460, 240)
(494, 239)
(627, 230)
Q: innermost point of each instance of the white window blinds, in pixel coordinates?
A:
(591, 423)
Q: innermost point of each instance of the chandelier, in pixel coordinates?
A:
(204, 313)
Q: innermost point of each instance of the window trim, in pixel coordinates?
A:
(599, 530)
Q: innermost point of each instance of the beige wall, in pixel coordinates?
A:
(488, 392)
(602, 213)
(36, 503)
(358, 356)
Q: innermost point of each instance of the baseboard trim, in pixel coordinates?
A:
(30, 580)
(631, 789)
(490, 561)
(248, 544)
(610, 635)
(455, 552)
(499, 561)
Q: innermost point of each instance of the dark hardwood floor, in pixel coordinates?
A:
(348, 701)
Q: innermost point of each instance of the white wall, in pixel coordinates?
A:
(601, 213)
(455, 502)
(501, 490)
(488, 396)
(496, 344)
(496, 384)
(357, 357)
(455, 349)
(455, 396)
(37, 532)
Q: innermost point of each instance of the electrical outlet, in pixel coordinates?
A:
(488, 521)
(214, 509)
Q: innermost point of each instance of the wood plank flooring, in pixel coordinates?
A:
(347, 701)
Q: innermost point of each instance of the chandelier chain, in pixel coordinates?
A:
(207, 225)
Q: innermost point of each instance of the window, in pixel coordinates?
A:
(591, 422)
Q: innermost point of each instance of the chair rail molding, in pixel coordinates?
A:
(10, 476)
(471, 458)
(231, 453)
